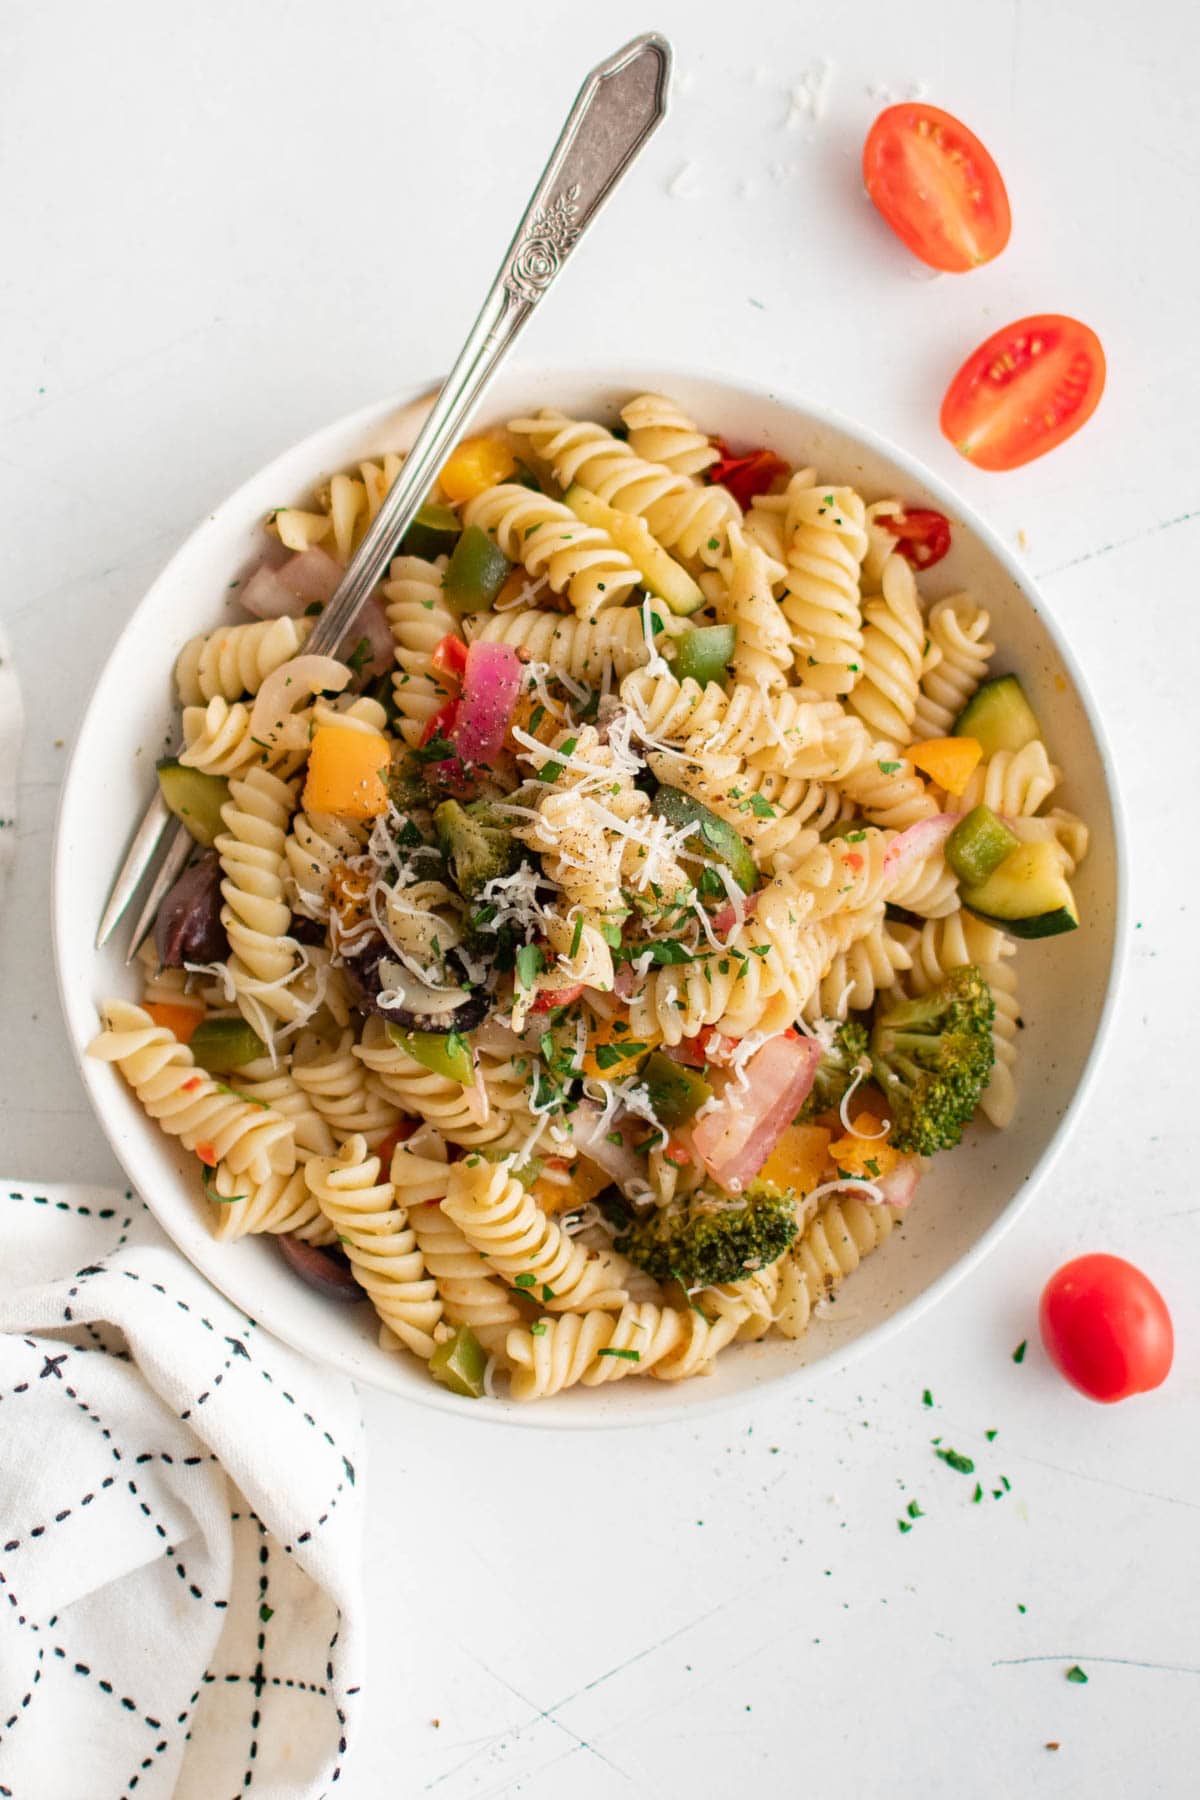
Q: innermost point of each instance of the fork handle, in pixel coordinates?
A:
(618, 108)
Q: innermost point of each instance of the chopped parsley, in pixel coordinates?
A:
(609, 1055)
(954, 1460)
(551, 771)
(1075, 1673)
(915, 1511)
(1019, 1352)
(538, 1328)
(889, 768)
(927, 1398)
(530, 963)
(762, 809)
(525, 1281)
(636, 1356)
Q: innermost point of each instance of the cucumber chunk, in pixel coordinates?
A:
(998, 717)
(434, 532)
(194, 797)
(714, 838)
(978, 844)
(445, 1053)
(660, 572)
(676, 1093)
(220, 1045)
(704, 653)
(1027, 894)
(460, 1364)
(476, 572)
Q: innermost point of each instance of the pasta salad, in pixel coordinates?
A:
(582, 967)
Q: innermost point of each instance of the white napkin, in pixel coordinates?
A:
(180, 1525)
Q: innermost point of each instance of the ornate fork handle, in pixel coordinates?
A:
(619, 106)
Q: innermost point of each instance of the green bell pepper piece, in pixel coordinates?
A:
(676, 1092)
(978, 844)
(704, 653)
(476, 572)
(460, 1363)
(220, 1045)
(445, 1053)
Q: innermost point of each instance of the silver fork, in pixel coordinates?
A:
(619, 106)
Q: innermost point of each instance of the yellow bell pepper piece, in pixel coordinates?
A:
(347, 773)
(613, 1052)
(950, 761)
(578, 1183)
(474, 465)
(864, 1153)
(797, 1163)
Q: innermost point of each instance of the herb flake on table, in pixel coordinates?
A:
(1076, 1674)
(954, 1459)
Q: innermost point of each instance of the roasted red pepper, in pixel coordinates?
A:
(745, 476)
(922, 535)
(449, 657)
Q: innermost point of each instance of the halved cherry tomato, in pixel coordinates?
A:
(441, 723)
(1026, 389)
(936, 186)
(745, 476)
(1106, 1328)
(923, 536)
(449, 656)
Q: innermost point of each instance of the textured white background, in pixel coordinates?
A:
(225, 225)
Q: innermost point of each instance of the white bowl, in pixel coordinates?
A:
(968, 1197)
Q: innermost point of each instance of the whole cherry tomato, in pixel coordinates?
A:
(1106, 1328)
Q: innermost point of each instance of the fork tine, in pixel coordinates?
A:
(180, 849)
(138, 858)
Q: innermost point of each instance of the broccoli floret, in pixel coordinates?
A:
(932, 1057)
(476, 842)
(704, 1242)
(836, 1070)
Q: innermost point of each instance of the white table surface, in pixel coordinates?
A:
(226, 224)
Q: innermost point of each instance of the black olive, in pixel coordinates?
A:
(362, 972)
(188, 928)
(325, 1270)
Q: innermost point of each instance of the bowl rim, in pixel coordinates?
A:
(658, 377)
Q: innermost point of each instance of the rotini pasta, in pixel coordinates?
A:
(958, 630)
(420, 619)
(227, 664)
(893, 655)
(359, 1202)
(525, 1248)
(821, 533)
(556, 995)
(188, 1103)
(831, 1247)
(593, 650)
(661, 433)
(691, 520)
(577, 559)
(1013, 782)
